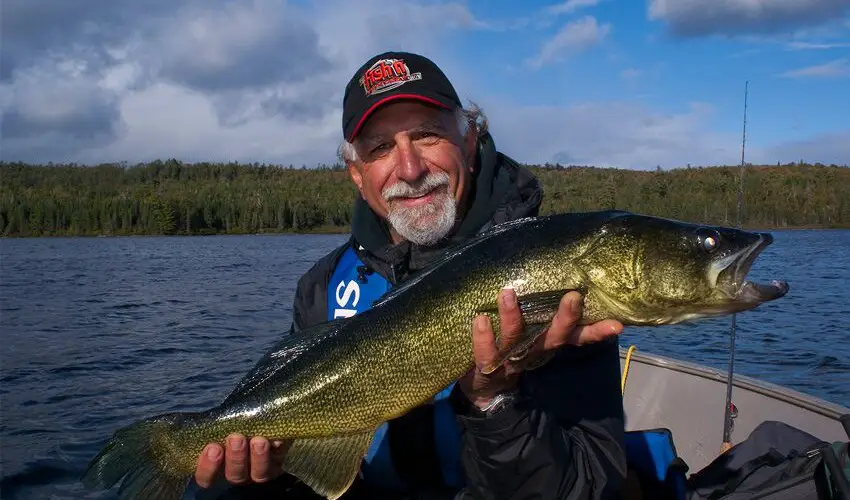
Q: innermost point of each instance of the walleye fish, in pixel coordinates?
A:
(328, 388)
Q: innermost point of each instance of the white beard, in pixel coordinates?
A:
(424, 224)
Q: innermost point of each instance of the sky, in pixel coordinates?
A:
(633, 84)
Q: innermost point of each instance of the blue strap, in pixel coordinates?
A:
(349, 293)
(377, 467)
(448, 439)
(651, 453)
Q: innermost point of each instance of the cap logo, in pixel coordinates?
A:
(387, 74)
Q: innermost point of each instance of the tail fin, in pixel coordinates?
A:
(151, 471)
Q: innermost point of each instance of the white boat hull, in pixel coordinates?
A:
(689, 399)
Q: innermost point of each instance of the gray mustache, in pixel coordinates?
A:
(403, 189)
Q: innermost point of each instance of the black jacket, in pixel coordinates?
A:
(564, 439)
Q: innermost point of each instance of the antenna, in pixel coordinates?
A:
(728, 415)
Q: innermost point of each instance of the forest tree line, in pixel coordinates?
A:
(171, 197)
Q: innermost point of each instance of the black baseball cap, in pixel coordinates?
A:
(390, 76)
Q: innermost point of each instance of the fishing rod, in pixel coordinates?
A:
(728, 413)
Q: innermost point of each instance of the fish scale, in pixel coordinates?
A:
(329, 387)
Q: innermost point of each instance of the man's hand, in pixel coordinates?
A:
(481, 388)
(260, 462)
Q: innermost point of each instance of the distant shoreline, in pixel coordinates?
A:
(270, 232)
(342, 231)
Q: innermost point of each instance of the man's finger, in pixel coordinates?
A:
(483, 342)
(510, 318)
(260, 460)
(209, 465)
(587, 334)
(563, 324)
(236, 459)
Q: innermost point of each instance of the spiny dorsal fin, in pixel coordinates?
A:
(284, 352)
(449, 254)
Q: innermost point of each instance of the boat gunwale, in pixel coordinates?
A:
(765, 388)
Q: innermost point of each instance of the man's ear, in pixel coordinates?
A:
(356, 175)
(471, 143)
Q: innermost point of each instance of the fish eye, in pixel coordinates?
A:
(710, 241)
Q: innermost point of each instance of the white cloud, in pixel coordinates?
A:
(574, 37)
(252, 80)
(571, 6)
(236, 46)
(54, 105)
(827, 148)
(832, 69)
(628, 135)
(624, 135)
(630, 74)
(816, 45)
(736, 17)
(166, 120)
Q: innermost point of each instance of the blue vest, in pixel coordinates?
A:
(350, 292)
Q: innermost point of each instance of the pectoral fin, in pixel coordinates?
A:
(537, 309)
(517, 350)
(328, 465)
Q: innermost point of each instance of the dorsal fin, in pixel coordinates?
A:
(451, 253)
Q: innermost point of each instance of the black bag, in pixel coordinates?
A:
(776, 462)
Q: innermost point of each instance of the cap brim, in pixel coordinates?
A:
(394, 97)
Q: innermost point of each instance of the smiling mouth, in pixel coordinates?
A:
(415, 199)
(418, 196)
(738, 265)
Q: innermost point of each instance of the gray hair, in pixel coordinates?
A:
(466, 117)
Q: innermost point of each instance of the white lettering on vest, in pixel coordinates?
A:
(351, 288)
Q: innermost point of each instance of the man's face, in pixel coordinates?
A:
(414, 169)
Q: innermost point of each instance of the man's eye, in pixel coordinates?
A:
(380, 147)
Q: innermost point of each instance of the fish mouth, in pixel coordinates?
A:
(757, 293)
(730, 275)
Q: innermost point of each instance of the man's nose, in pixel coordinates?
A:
(411, 168)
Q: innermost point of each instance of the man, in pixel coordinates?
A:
(429, 176)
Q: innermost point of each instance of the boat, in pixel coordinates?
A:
(689, 400)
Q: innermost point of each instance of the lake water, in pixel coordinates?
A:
(100, 332)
